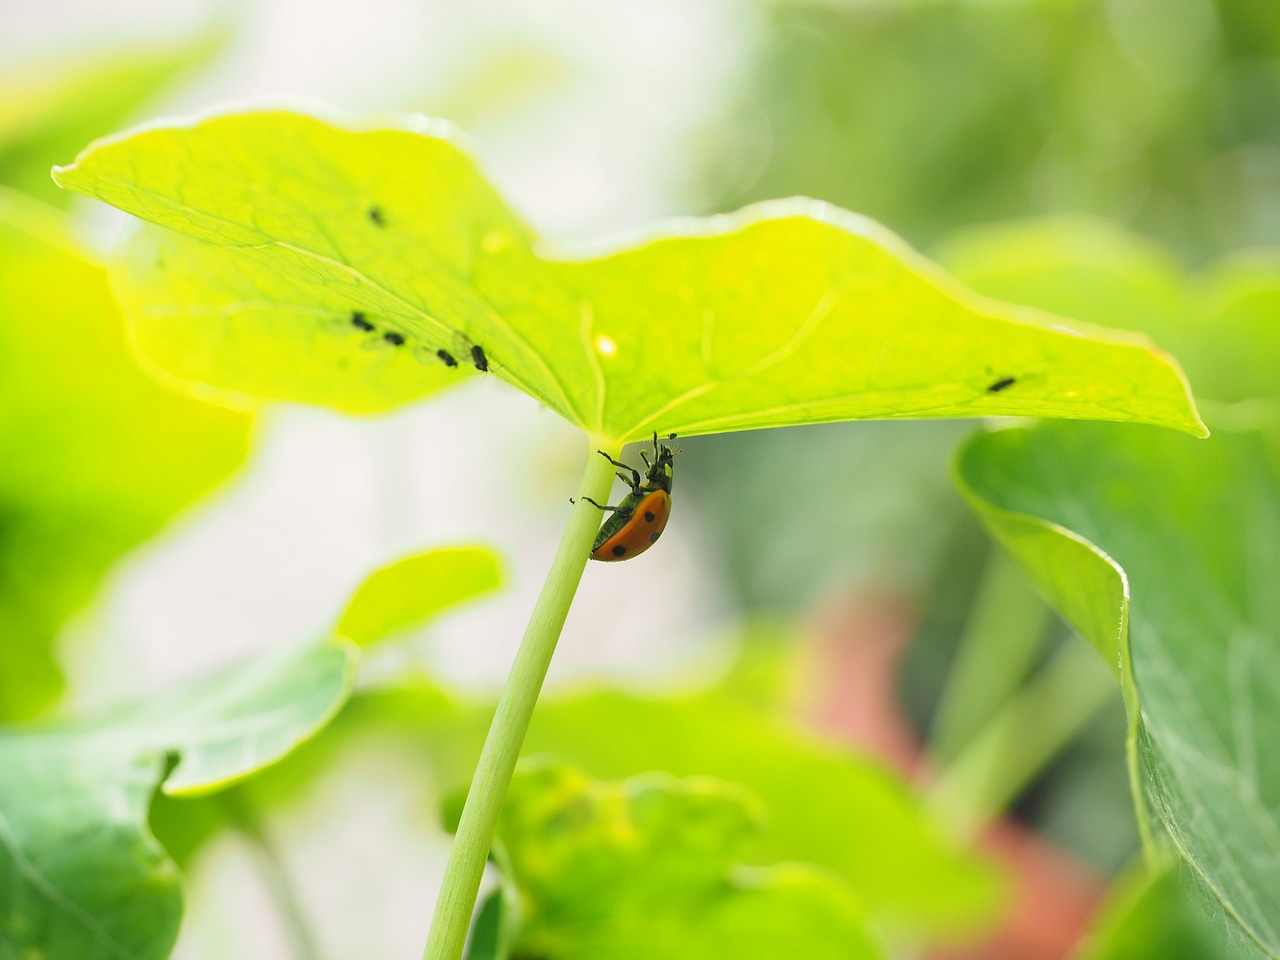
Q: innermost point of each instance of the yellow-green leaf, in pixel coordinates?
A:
(94, 456)
(414, 589)
(787, 312)
(1219, 323)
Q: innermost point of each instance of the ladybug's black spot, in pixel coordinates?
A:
(375, 215)
(619, 551)
(446, 358)
(1001, 384)
(396, 339)
(653, 537)
(358, 320)
(648, 516)
(479, 359)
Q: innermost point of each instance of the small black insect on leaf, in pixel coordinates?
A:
(1002, 384)
(446, 358)
(358, 320)
(478, 358)
(393, 338)
(375, 215)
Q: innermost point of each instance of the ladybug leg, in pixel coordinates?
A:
(597, 505)
(634, 481)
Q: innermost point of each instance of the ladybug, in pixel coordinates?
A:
(638, 521)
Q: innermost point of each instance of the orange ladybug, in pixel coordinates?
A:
(638, 521)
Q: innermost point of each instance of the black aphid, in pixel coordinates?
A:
(1001, 384)
(446, 358)
(478, 358)
(393, 338)
(358, 320)
(375, 214)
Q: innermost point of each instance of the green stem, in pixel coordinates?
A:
(246, 820)
(1023, 736)
(452, 917)
(1003, 635)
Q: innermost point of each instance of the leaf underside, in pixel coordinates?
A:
(306, 261)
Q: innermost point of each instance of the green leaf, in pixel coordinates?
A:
(650, 867)
(1162, 551)
(787, 312)
(827, 805)
(1220, 324)
(81, 877)
(51, 106)
(94, 456)
(416, 589)
(1153, 915)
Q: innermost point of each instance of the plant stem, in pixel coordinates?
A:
(462, 874)
(1003, 635)
(245, 819)
(1023, 736)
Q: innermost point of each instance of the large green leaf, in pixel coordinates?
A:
(94, 456)
(1163, 551)
(297, 233)
(1221, 324)
(651, 867)
(51, 106)
(81, 877)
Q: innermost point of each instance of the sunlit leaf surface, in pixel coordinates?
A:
(94, 456)
(1221, 324)
(652, 867)
(1165, 552)
(334, 266)
(81, 877)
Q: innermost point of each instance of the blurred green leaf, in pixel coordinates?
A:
(935, 115)
(1152, 915)
(52, 106)
(872, 506)
(826, 805)
(81, 877)
(650, 867)
(418, 588)
(1221, 324)
(1163, 552)
(94, 456)
(298, 234)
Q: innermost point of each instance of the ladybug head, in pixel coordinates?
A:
(662, 470)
